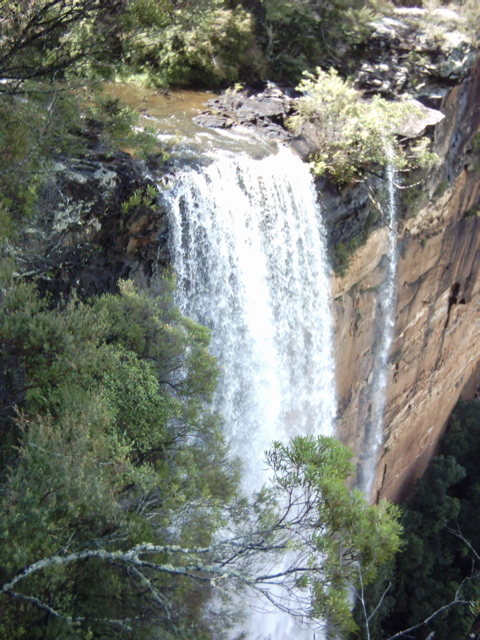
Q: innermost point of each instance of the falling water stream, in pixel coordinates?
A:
(250, 258)
(385, 325)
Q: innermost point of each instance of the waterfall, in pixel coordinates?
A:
(385, 323)
(249, 253)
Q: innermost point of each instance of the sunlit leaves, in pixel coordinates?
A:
(115, 440)
(351, 133)
(352, 539)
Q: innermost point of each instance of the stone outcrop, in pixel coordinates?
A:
(266, 109)
(418, 52)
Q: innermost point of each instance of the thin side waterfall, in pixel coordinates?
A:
(386, 323)
(249, 253)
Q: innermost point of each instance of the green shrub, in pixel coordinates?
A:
(115, 440)
(350, 132)
(342, 254)
(48, 121)
(470, 9)
(34, 128)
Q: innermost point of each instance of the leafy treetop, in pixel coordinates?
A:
(352, 133)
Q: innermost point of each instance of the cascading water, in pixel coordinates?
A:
(251, 264)
(386, 324)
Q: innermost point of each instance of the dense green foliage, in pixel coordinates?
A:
(117, 445)
(349, 539)
(111, 454)
(298, 35)
(222, 41)
(170, 42)
(199, 42)
(31, 130)
(204, 43)
(49, 39)
(173, 42)
(352, 133)
(442, 541)
(116, 491)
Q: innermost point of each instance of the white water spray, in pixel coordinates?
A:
(386, 323)
(250, 259)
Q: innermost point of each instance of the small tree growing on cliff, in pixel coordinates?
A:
(442, 539)
(332, 536)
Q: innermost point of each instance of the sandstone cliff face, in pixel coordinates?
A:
(435, 355)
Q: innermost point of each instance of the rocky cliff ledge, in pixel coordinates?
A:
(95, 224)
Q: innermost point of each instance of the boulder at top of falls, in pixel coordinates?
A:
(213, 121)
(418, 120)
(266, 110)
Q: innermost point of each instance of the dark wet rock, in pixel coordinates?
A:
(82, 238)
(213, 122)
(415, 51)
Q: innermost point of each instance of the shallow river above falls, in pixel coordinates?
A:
(172, 115)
